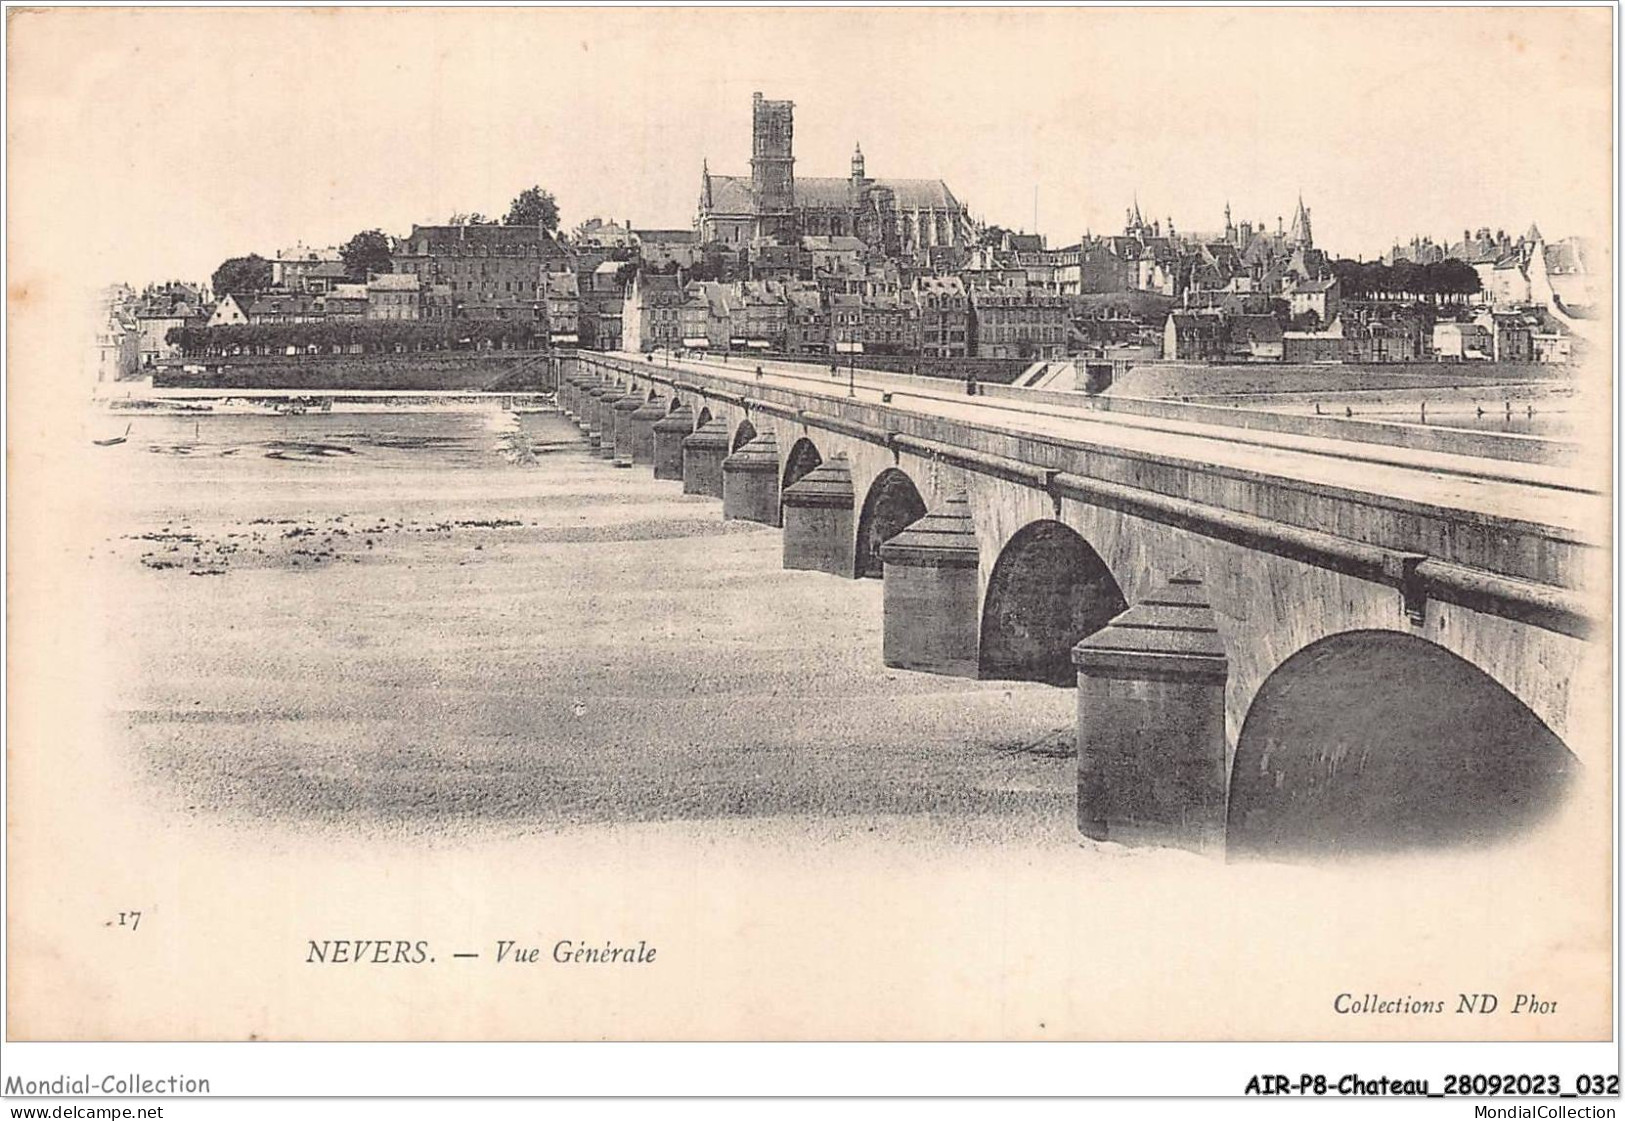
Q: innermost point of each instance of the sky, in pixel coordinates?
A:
(154, 143)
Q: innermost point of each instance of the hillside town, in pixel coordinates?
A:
(869, 270)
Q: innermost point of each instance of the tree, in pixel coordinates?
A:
(474, 219)
(364, 254)
(993, 235)
(534, 207)
(242, 276)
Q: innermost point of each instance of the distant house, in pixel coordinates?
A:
(807, 328)
(1255, 338)
(1018, 323)
(322, 278)
(599, 234)
(838, 255)
(498, 268)
(346, 301)
(275, 309)
(944, 316)
(292, 268)
(650, 313)
(562, 308)
(668, 247)
(762, 314)
(227, 313)
(1318, 296)
(1463, 341)
(1194, 337)
(1511, 334)
(118, 347)
(1552, 347)
(394, 296)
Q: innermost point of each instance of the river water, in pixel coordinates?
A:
(453, 621)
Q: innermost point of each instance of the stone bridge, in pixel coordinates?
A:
(1280, 644)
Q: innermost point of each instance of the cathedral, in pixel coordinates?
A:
(900, 217)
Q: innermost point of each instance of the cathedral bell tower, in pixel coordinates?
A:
(772, 168)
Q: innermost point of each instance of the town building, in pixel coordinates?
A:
(806, 320)
(666, 248)
(281, 308)
(160, 309)
(394, 296)
(943, 310)
(761, 315)
(1018, 323)
(227, 313)
(118, 348)
(595, 233)
(602, 295)
(651, 313)
(291, 268)
(1463, 341)
(889, 324)
(1194, 336)
(1319, 297)
(346, 301)
(562, 310)
(493, 271)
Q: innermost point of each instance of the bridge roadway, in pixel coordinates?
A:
(1538, 495)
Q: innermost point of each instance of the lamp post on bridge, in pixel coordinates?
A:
(852, 347)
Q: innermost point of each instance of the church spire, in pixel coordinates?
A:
(857, 161)
(1301, 232)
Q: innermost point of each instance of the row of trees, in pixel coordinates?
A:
(1449, 281)
(357, 336)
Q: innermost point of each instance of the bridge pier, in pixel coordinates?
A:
(817, 513)
(594, 415)
(603, 419)
(642, 424)
(667, 435)
(931, 614)
(622, 424)
(1151, 746)
(750, 482)
(703, 453)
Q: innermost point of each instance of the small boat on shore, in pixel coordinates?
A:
(111, 440)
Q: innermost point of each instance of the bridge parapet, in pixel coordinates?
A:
(1531, 572)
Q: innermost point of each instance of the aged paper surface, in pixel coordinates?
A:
(452, 755)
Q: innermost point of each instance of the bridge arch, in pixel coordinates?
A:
(803, 458)
(891, 506)
(1373, 741)
(1049, 589)
(744, 434)
(703, 417)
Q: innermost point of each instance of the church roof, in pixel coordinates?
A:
(823, 193)
(920, 193)
(731, 194)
